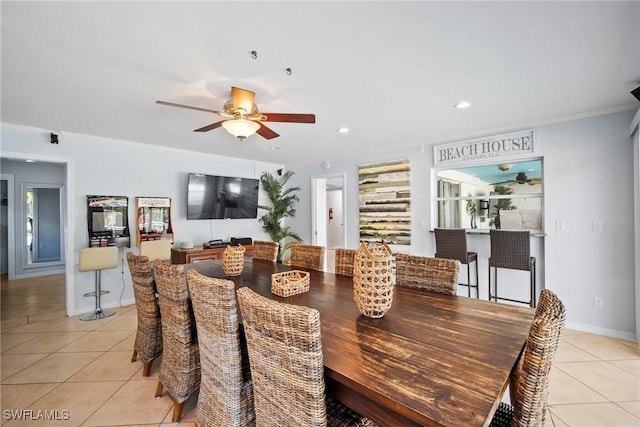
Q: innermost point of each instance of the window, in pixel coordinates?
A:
(501, 195)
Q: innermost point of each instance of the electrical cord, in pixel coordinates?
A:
(123, 282)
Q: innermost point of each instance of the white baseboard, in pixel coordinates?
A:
(613, 333)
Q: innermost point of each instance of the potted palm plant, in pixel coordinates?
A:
(472, 210)
(283, 200)
(501, 204)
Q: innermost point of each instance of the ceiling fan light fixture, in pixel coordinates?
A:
(241, 128)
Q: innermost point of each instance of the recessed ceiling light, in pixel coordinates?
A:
(462, 105)
(274, 147)
(343, 129)
(30, 161)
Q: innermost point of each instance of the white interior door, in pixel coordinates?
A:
(319, 186)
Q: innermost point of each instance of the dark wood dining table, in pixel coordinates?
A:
(433, 359)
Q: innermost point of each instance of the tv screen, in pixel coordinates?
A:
(221, 197)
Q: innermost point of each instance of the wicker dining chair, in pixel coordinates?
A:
(265, 250)
(431, 274)
(529, 405)
(307, 256)
(285, 354)
(226, 392)
(452, 243)
(180, 367)
(344, 261)
(512, 250)
(148, 343)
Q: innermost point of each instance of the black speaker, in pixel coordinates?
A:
(235, 241)
(636, 93)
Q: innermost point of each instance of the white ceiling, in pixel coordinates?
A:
(391, 71)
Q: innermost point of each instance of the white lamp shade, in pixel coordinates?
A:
(241, 128)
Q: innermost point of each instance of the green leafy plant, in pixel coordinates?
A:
(283, 204)
(472, 211)
(501, 204)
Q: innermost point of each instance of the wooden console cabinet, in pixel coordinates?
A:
(186, 256)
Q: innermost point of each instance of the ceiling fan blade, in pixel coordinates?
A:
(173, 104)
(210, 127)
(242, 99)
(290, 117)
(266, 132)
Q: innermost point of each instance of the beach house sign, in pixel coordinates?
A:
(491, 147)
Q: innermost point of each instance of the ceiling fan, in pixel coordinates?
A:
(243, 117)
(521, 178)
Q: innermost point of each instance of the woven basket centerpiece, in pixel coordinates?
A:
(372, 285)
(233, 260)
(290, 283)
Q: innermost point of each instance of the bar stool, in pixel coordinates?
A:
(451, 243)
(156, 249)
(98, 259)
(512, 250)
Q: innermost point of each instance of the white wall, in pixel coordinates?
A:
(588, 174)
(635, 132)
(112, 167)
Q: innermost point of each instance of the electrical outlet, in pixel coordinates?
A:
(560, 225)
(598, 302)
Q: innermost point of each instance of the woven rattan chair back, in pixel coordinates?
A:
(285, 354)
(265, 251)
(541, 345)
(307, 256)
(451, 243)
(226, 393)
(180, 368)
(344, 261)
(511, 249)
(430, 274)
(148, 343)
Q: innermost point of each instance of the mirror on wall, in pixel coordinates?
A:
(43, 219)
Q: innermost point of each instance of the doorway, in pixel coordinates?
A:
(21, 168)
(328, 213)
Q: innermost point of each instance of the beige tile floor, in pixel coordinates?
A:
(49, 362)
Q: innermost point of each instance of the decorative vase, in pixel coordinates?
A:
(372, 284)
(233, 260)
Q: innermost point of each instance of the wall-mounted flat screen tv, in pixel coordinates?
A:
(221, 197)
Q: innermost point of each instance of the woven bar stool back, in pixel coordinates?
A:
(180, 367)
(451, 243)
(430, 274)
(148, 343)
(512, 250)
(265, 251)
(307, 256)
(344, 261)
(226, 392)
(532, 391)
(285, 354)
